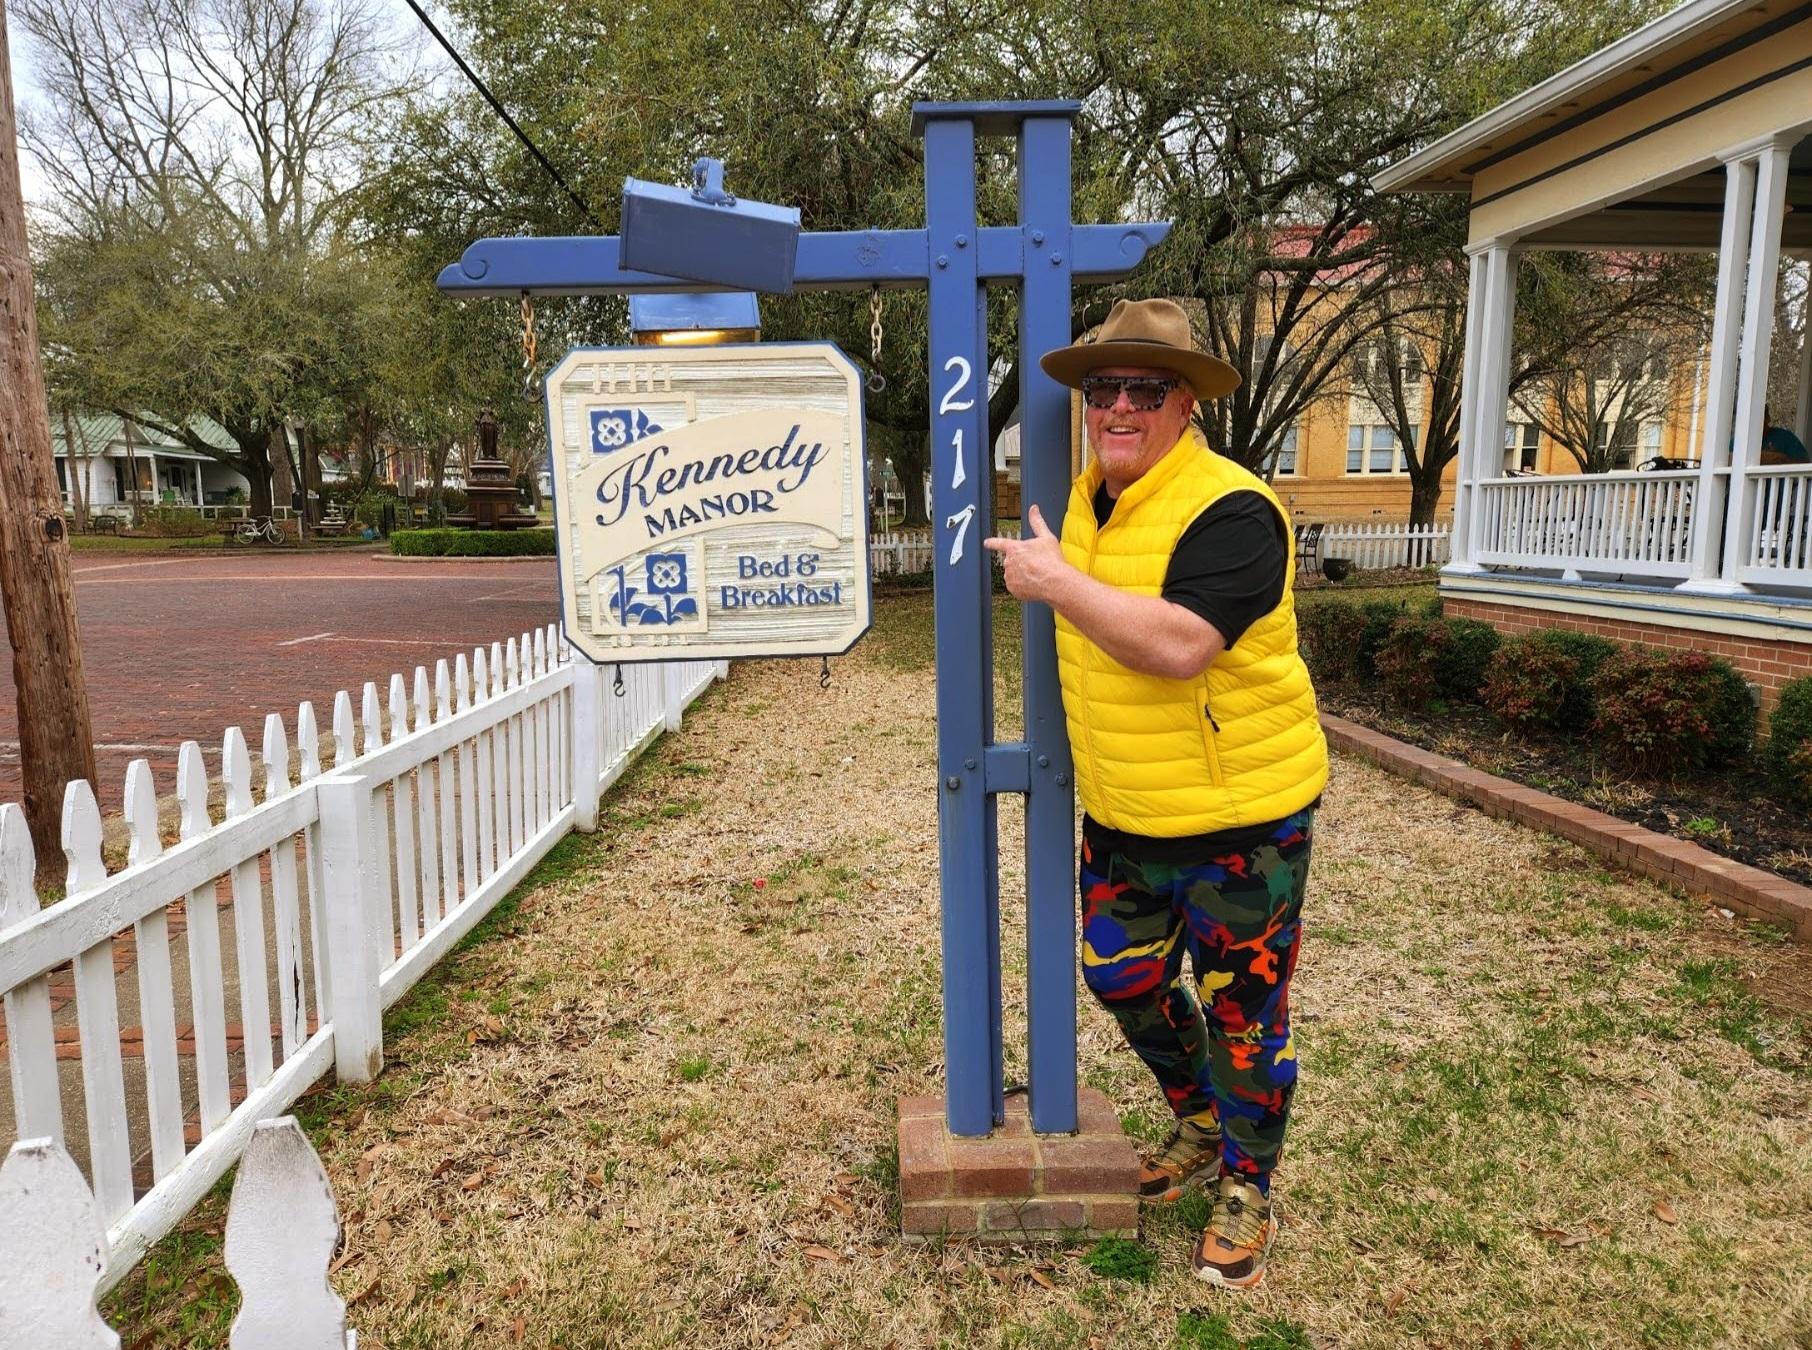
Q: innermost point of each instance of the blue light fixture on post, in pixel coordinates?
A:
(705, 234)
(694, 319)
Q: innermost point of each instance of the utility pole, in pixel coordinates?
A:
(56, 740)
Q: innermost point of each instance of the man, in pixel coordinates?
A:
(1199, 760)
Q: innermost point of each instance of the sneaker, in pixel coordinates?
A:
(1190, 1155)
(1231, 1252)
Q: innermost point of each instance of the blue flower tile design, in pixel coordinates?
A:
(614, 428)
(666, 598)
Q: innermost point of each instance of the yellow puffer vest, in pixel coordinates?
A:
(1240, 744)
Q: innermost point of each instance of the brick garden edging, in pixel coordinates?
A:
(1747, 890)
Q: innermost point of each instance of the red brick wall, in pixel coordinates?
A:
(1764, 663)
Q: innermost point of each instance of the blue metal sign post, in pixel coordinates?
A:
(956, 259)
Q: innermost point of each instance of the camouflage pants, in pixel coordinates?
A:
(1239, 917)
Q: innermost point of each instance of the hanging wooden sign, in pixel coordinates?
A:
(710, 502)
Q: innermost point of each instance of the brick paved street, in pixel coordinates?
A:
(180, 648)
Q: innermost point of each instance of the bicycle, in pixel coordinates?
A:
(259, 528)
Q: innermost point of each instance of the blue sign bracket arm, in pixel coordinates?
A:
(829, 260)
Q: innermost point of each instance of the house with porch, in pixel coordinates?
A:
(1688, 134)
(118, 465)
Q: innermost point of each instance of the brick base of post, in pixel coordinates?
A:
(1017, 1186)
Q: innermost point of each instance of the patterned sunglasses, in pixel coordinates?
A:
(1144, 392)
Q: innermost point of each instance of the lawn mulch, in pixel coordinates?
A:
(1734, 812)
(652, 1102)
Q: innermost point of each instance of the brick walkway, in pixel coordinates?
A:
(180, 648)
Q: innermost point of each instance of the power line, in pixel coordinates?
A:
(499, 109)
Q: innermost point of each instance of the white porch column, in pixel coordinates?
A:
(1758, 347)
(1466, 479)
(1492, 400)
(1710, 493)
(1737, 372)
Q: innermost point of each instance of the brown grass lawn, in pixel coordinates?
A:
(652, 1103)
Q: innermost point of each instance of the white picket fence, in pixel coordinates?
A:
(281, 1234)
(901, 552)
(339, 888)
(1384, 544)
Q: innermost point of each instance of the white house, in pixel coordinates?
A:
(105, 463)
(1688, 134)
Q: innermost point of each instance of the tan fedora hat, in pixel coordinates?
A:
(1152, 333)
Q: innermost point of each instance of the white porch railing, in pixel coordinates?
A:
(1778, 550)
(336, 892)
(1385, 544)
(1630, 523)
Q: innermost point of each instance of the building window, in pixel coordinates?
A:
(1651, 441)
(1369, 366)
(1521, 441)
(1372, 449)
(1286, 452)
(1615, 445)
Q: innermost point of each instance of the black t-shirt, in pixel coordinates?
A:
(1230, 568)
(1229, 565)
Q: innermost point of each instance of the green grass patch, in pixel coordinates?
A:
(1115, 1258)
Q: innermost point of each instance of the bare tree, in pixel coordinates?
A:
(203, 158)
(1790, 334)
(1410, 372)
(1596, 407)
(254, 107)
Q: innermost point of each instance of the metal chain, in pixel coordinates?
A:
(617, 687)
(824, 673)
(876, 380)
(528, 348)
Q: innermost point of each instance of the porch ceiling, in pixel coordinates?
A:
(1683, 216)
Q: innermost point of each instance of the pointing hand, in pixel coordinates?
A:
(1035, 569)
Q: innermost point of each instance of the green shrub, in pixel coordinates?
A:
(1732, 714)
(472, 543)
(1671, 712)
(420, 543)
(1464, 658)
(1590, 652)
(1542, 683)
(1409, 660)
(1328, 632)
(1379, 616)
(1530, 684)
(1788, 754)
(175, 522)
